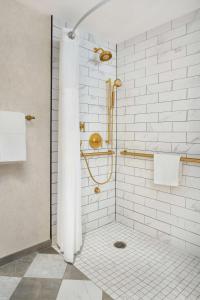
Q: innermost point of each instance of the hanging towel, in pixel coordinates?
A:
(12, 136)
(166, 169)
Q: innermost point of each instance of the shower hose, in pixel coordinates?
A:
(92, 176)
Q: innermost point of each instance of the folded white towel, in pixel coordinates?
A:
(166, 169)
(12, 136)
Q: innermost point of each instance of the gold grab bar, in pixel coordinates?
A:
(29, 117)
(149, 155)
(92, 154)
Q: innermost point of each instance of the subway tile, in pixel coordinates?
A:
(124, 220)
(152, 98)
(186, 235)
(170, 219)
(133, 215)
(159, 88)
(194, 114)
(193, 48)
(158, 146)
(142, 191)
(125, 204)
(145, 44)
(135, 180)
(191, 170)
(186, 192)
(193, 26)
(145, 229)
(186, 104)
(157, 224)
(173, 95)
(158, 49)
(146, 211)
(174, 54)
(190, 126)
(158, 30)
(171, 199)
(193, 137)
(158, 68)
(172, 34)
(146, 63)
(146, 136)
(194, 70)
(146, 80)
(193, 181)
(159, 107)
(134, 198)
(134, 75)
(186, 83)
(187, 18)
(192, 226)
(171, 75)
(186, 40)
(172, 116)
(194, 92)
(186, 61)
(193, 204)
(150, 117)
(159, 127)
(158, 205)
(97, 214)
(172, 136)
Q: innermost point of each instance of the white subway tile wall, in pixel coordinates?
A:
(159, 110)
(97, 209)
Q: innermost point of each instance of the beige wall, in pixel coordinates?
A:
(25, 87)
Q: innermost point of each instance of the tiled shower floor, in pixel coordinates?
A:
(146, 269)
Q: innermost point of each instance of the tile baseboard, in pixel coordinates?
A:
(6, 259)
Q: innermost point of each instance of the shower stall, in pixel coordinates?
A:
(154, 107)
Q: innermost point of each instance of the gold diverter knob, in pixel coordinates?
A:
(95, 140)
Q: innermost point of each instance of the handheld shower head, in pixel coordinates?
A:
(103, 54)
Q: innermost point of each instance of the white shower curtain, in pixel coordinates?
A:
(69, 231)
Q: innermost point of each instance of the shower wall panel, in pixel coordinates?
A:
(97, 209)
(159, 111)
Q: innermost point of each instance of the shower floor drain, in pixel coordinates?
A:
(120, 245)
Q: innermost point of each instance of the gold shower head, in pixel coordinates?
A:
(103, 54)
(117, 83)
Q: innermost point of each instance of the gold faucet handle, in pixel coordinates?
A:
(29, 117)
(82, 126)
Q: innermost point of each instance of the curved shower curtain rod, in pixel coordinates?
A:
(72, 34)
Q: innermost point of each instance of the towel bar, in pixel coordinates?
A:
(29, 117)
(149, 155)
(92, 154)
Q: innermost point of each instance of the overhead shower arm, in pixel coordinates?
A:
(72, 34)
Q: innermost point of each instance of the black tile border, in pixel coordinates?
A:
(9, 258)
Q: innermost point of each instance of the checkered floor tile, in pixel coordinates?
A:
(45, 276)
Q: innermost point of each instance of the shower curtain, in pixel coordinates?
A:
(69, 231)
